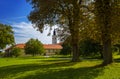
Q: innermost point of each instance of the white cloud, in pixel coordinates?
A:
(24, 31)
(20, 17)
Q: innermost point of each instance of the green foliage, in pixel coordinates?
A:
(6, 35)
(90, 47)
(67, 49)
(69, 15)
(34, 47)
(15, 52)
(76, 16)
(2, 54)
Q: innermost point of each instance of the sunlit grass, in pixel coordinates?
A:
(56, 68)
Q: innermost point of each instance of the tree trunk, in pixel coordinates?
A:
(75, 51)
(107, 47)
(75, 31)
(75, 43)
(103, 17)
(107, 52)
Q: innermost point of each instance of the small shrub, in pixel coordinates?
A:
(15, 52)
(2, 54)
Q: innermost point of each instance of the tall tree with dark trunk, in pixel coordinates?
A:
(61, 13)
(103, 18)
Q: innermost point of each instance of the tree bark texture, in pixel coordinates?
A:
(74, 29)
(103, 18)
(75, 48)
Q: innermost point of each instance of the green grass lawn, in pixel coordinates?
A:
(56, 68)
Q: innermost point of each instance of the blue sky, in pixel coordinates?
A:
(14, 13)
(14, 10)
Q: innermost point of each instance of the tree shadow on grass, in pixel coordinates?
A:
(18, 69)
(52, 70)
(69, 73)
(117, 60)
(55, 60)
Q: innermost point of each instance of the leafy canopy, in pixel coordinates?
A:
(6, 35)
(34, 47)
(68, 15)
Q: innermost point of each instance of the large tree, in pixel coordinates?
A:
(71, 15)
(65, 13)
(107, 19)
(6, 35)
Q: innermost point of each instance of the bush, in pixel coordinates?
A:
(67, 49)
(34, 47)
(90, 47)
(15, 52)
(2, 54)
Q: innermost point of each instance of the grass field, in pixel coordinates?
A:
(56, 68)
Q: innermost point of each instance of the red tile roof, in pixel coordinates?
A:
(46, 46)
(52, 46)
(17, 45)
(20, 46)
